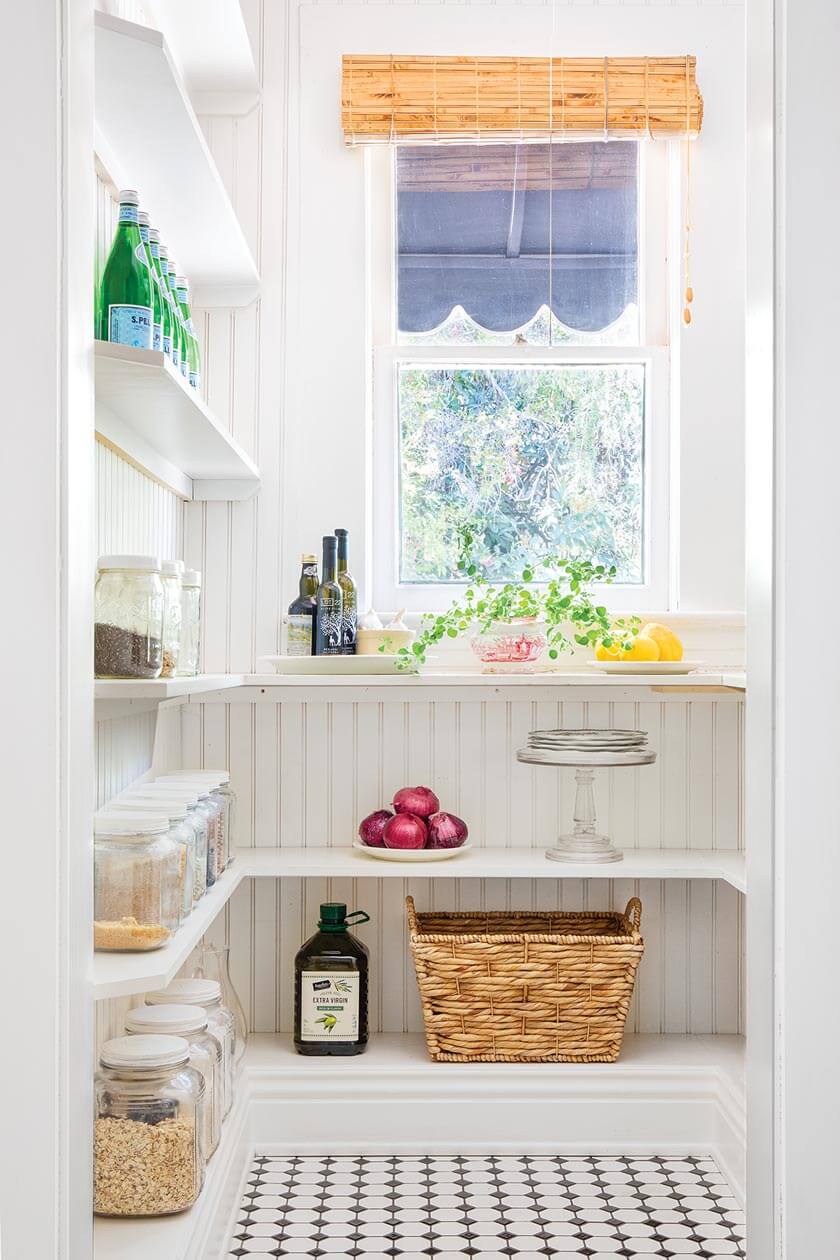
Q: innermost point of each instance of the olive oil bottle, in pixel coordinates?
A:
(331, 986)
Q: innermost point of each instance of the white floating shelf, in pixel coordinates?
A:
(118, 974)
(148, 411)
(122, 689)
(148, 130)
(209, 44)
(714, 681)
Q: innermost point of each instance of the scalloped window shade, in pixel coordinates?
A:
(392, 99)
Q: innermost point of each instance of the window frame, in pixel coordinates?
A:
(388, 355)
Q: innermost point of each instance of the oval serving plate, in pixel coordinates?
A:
(409, 855)
(645, 667)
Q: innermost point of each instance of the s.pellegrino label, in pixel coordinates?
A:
(129, 214)
(329, 1006)
(130, 325)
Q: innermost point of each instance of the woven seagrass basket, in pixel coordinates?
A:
(526, 987)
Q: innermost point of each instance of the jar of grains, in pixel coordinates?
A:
(149, 1128)
(188, 795)
(171, 576)
(136, 881)
(189, 1022)
(128, 616)
(190, 622)
(217, 784)
(220, 1022)
(181, 832)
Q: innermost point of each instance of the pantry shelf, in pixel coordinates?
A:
(158, 689)
(210, 47)
(493, 863)
(712, 680)
(118, 974)
(149, 138)
(149, 414)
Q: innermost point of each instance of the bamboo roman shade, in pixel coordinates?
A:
(391, 99)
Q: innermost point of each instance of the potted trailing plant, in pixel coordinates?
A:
(511, 624)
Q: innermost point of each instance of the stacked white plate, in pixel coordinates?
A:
(588, 740)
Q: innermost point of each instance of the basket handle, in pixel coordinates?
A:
(633, 913)
(412, 915)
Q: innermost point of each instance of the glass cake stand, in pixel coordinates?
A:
(584, 843)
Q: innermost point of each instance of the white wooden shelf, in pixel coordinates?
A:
(708, 681)
(118, 974)
(209, 44)
(162, 688)
(494, 863)
(147, 411)
(149, 138)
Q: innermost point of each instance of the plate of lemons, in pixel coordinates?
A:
(654, 650)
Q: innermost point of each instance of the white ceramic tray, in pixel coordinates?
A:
(645, 667)
(409, 855)
(376, 663)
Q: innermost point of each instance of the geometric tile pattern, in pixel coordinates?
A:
(490, 1208)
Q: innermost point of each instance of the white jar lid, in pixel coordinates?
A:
(171, 568)
(177, 1019)
(185, 792)
(143, 564)
(216, 776)
(175, 810)
(193, 992)
(198, 789)
(108, 823)
(191, 577)
(144, 1052)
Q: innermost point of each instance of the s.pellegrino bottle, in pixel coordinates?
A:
(349, 611)
(174, 325)
(165, 310)
(301, 616)
(328, 602)
(193, 355)
(144, 253)
(331, 986)
(125, 305)
(183, 361)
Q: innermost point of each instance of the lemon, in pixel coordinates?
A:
(670, 648)
(642, 649)
(611, 653)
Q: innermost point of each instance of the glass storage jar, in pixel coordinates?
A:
(189, 1022)
(136, 888)
(220, 1022)
(181, 832)
(148, 1129)
(128, 616)
(171, 577)
(217, 782)
(212, 962)
(188, 655)
(183, 794)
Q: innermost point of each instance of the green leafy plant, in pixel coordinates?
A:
(555, 589)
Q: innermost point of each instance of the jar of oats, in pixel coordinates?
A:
(148, 1129)
(136, 881)
(221, 1024)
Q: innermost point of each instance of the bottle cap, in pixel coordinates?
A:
(154, 234)
(340, 533)
(182, 282)
(129, 197)
(308, 558)
(144, 1052)
(191, 577)
(334, 917)
(330, 542)
(143, 217)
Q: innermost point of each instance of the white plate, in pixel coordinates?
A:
(409, 855)
(376, 663)
(645, 667)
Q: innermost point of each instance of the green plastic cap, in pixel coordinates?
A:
(334, 917)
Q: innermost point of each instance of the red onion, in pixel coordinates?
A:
(405, 831)
(371, 828)
(446, 831)
(420, 801)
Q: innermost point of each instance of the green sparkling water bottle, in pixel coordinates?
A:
(167, 315)
(183, 340)
(145, 255)
(193, 353)
(174, 332)
(125, 303)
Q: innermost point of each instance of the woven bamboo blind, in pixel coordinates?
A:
(391, 99)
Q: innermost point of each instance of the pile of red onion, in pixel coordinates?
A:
(416, 822)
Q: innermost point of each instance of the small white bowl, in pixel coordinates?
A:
(368, 642)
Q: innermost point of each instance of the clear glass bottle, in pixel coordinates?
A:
(157, 304)
(171, 577)
(189, 1022)
(220, 1022)
(125, 291)
(181, 832)
(190, 652)
(128, 615)
(149, 1155)
(136, 881)
(212, 962)
(331, 986)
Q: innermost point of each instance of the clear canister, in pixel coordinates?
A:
(220, 1022)
(128, 617)
(171, 576)
(181, 831)
(137, 888)
(188, 657)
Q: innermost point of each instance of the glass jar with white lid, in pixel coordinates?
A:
(188, 796)
(149, 1155)
(189, 1022)
(136, 873)
(219, 782)
(220, 1022)
(181, 832)
(171, 576)
(128, 617)
(188, 655)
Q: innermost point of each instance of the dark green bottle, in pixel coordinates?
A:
(349, 597)
(146, 256)
(165, 308)
(125, 302)
(300, 620)
(331, 986)
(328, 602)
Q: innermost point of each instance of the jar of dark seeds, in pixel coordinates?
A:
(128, 629)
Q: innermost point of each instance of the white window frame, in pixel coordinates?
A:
(388, 355)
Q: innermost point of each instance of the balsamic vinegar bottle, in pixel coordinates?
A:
(348, 591)
(328, 603)
(300, 625)
(331, 986)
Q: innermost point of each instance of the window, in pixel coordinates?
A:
(521, 378)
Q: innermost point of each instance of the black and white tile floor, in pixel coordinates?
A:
(499, 1208)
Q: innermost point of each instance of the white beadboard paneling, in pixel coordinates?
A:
(307, 771)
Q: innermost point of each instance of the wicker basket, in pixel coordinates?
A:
(526, 987)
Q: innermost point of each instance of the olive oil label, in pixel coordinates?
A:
(299, 634)
(329, 1006)
(130, 325)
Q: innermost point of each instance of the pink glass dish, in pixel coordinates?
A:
(511, 647)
